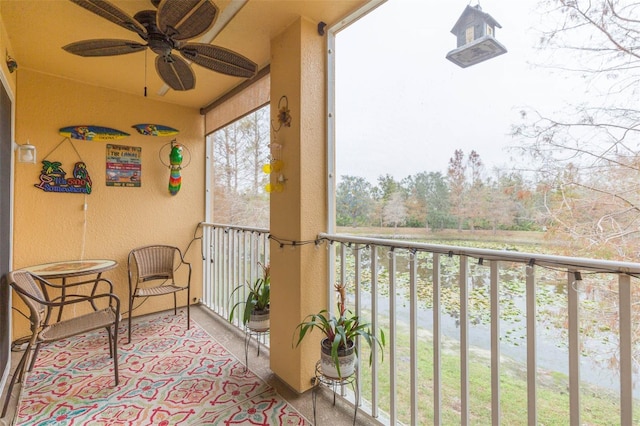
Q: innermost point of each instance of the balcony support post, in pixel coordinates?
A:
(299, 273)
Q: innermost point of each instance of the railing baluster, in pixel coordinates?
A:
(393, 374)
(495, 342)
(206, 266)
(235, 269)
(532, 361)
(464, 341)
(227, 260)
(437, 343)
(219, 265)
(224, 256)
(358, 300)
(374, 349)
(626, 354)
(574, 350)
(413, 339)
(222, 261)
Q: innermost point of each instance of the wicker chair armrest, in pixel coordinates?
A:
(188, 265)
(71, 299)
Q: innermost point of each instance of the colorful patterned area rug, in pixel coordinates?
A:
(168, 376)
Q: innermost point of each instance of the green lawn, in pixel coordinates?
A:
(599, 406)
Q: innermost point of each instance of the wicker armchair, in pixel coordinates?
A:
(152, 272)
(45, 328)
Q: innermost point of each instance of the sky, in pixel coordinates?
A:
(403, 108)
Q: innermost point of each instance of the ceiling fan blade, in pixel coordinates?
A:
(114, 14)
(104, 47)
(185, 19)
(176, 72)
(219, 59)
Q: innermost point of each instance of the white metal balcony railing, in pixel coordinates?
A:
(231, 256)
(483, 311)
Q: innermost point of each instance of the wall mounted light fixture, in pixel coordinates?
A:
(12, 65)
(26, 153)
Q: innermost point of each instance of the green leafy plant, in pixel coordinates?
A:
(341, 331)
(257, 297)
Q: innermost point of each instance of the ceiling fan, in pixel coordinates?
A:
(164, 30)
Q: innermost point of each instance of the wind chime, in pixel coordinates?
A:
(275, 165)
(176, 158)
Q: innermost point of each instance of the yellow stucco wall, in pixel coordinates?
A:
(54, 226)
(299, 212)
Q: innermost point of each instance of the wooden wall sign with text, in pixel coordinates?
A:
(54, 179)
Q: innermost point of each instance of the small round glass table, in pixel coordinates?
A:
(72, 268)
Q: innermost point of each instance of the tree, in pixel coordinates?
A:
(239, 152)
(588, 156)
(598, 139)
(457, 185)
(354, 201)
(474, 202)
(428, 200)
(416, 201)
(387, 186)
(438, 216)
(395, 212)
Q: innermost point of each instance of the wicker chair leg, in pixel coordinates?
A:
(16, 375)
(188, 307)
(129, 320)
(34, 356)
(175, 304)
(110, 335)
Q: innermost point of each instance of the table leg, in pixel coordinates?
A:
(62, 297)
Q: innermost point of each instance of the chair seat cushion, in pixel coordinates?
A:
(79, 324)
(157, 291)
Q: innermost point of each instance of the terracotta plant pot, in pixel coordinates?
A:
(259, 320)
(347, 359)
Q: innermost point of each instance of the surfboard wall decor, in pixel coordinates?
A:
(155, 130)
(92, 133)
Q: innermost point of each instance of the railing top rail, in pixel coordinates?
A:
(234, 227)
(571, 263)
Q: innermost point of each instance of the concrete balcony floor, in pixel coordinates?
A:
(233, 340)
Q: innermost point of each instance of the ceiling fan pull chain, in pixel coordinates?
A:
(145, 73)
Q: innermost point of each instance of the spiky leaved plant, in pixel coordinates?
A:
(258, 297)
(341, 330)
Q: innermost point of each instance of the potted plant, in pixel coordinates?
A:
(256, 305)
(338, 348)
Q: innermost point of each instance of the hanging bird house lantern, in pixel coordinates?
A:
(475, 31)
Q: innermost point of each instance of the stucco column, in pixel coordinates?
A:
(299, 212)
